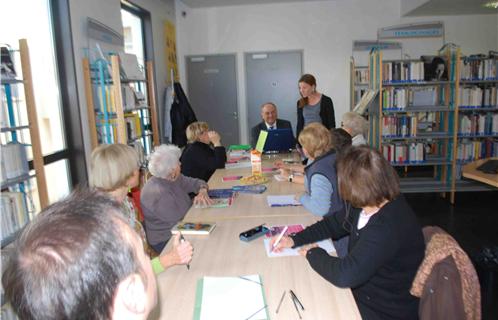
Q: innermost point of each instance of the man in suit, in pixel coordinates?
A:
(270, 122)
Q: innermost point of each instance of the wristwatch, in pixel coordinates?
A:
(291, 177)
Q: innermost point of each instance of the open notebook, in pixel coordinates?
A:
(228, 298)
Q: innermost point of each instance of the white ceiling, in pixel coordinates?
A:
(451, 7)
(429, 8)
(221, 3)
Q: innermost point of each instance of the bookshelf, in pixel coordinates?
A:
(120, 110)
(422, 126)
(20, 141)
(359, 82)
(476, 111)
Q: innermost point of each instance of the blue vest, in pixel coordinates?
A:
(325, 165)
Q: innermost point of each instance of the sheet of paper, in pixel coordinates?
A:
(261, 140)
(282, 201)
(327, 245)
(233, 298)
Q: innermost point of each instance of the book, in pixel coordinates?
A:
(287, 200)
(220, 298)
(259, 188)
(217, 203)
(366, 99)
(231, 178)
(221, 193)
(191, 228)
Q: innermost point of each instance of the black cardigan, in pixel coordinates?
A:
(382, 261)
(200, 161)
(326, 113)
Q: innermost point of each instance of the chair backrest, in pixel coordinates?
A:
(446, 281)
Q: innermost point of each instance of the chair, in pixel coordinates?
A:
(446, 281)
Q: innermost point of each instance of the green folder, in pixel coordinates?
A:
(261, 140)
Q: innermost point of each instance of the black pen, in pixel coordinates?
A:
(295, 304)
(297, 300)
(182, 239)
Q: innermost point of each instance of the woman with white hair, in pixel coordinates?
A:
(356, 126)
(165, 197)
(114, 169)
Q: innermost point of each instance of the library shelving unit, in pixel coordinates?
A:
(359, 82)
(19, 132)
(428, 128)
(477, 112)
(120, 110)
(20, 141)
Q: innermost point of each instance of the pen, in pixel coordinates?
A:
(280, 303)
(182, 239)
(295, 306)
(297, 300)
(279, 237)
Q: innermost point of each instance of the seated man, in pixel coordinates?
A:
(270, 122)
(79, 259)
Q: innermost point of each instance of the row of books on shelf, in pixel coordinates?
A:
(104, 98)
(476, 97)
(478, 124)
(403, 71)
(362, 76)
(403, 98)
(473, 68)
(14, 212)
(405, 153)
(14, 162)
(471, 150)
(408, 125)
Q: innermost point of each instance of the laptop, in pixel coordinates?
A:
(279, 140)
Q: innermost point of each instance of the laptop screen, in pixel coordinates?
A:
(279, 140)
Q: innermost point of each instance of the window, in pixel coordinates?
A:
(36, 25)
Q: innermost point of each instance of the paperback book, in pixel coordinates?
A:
(191, 228)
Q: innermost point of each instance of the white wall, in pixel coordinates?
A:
(108, 12)
(323, 29)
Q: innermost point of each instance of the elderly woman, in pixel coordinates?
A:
(386, 243)
(199, 159)
(356, 126)
(165, 197)
(114, 170)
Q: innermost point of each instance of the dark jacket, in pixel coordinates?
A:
(325, 165)
(200, 161)
(382, 261)
(446, 281)
(326, 113)
(281, 124)
(181, 116)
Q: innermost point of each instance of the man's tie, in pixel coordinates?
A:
(271, 128)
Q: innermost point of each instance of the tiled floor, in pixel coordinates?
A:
(473, 222)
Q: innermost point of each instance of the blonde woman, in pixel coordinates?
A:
(114, 169)
(199, 159)
(165, 197)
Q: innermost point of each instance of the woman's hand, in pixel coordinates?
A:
(202, 198)
(214, 138)
(285, 242)
(181, 253)
(304, 250)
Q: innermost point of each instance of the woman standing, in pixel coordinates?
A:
(313, 105)
(199, 159)
(114, 169)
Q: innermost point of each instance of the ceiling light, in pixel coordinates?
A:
(492, 5)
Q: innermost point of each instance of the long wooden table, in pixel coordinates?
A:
(223, 254)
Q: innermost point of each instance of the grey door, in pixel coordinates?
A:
(273, 77)
(212, 92)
